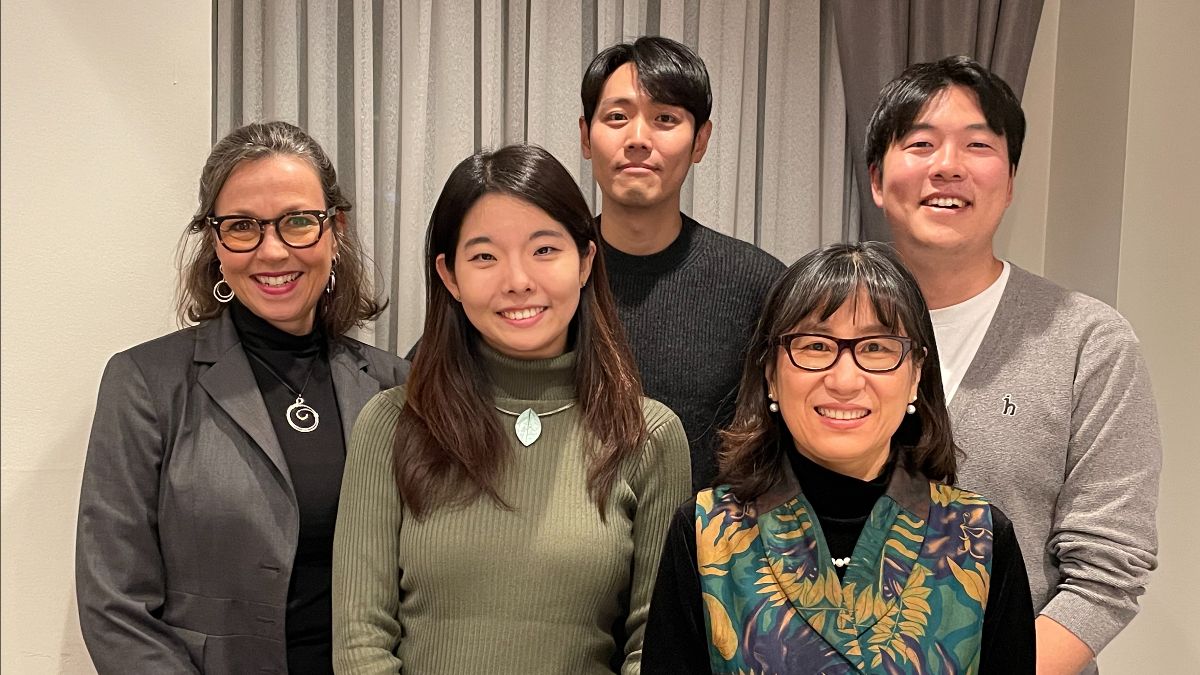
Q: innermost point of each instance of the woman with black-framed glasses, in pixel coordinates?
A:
(210, 491)
(835, 541)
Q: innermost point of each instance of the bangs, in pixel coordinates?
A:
(820, 290)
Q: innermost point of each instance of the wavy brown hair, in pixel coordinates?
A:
(352, 301)
(439, 460)
(753, 447)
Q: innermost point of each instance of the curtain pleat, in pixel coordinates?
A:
(399, 91)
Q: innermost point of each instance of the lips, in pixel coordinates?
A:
(275, 280)
(842, 413)
(946, 202)
(522, 313)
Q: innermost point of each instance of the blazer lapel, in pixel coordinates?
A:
(231, 384)
(353, 384)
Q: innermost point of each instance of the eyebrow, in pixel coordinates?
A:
(473, 241)
(870, 329)
(615, 100)
(923, 126)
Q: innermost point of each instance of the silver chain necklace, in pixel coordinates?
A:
(299, 413)
(528, 426)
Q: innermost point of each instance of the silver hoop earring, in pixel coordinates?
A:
(910, 409)
(222, 297)
(332, 283)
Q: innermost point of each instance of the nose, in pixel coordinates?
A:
(517, 281)
(844, 376)
(638, 137)
(272, 247)
(947, 163)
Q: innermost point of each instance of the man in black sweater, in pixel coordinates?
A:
(689, 296)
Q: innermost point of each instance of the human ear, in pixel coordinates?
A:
(877, 184)
(585, 140)
(447, 276)
(585, 264)
(918, 365)
(700, 145)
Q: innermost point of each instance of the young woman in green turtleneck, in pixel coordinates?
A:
(504, 512)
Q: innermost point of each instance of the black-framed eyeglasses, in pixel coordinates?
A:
(872, 353)
(297, 229)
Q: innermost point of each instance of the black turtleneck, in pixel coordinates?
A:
(841, 503)
(315, 461)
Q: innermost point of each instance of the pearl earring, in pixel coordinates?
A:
(772, 406)
(910, 409)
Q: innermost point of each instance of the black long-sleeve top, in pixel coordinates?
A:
(676, 639)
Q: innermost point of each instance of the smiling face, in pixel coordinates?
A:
(279, 283)
(641, 149)
(518, 275)
(843, 418)
(945, 185)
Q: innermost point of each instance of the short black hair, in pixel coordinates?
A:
(902, 99)
(669, 71)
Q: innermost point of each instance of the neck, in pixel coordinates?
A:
(949, 280)
(640, 230)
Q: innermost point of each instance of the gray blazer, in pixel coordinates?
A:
(188, 521)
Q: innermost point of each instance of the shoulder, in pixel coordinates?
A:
(945, 495)
(166, 348)
(386, 405)
(164, 359)
(657, 415)
(1062, 311)
(392, 369)
(751, 262)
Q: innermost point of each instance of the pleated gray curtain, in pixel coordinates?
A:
(877, 39)
(398, 92)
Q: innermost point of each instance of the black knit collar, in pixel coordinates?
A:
(685, 247)
(837, 495)
(258, 334)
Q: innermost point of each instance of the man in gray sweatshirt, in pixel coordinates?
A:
(1048, 391)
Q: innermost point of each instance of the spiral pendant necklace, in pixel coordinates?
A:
(300, 416)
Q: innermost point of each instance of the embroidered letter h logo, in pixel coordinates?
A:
(1010, 408)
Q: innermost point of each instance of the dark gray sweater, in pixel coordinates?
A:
(688, 312)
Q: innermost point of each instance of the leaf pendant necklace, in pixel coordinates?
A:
(528, 426)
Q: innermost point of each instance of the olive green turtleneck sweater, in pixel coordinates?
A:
(538, 589)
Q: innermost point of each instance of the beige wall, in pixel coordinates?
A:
(1157, 290)
(1105, 204)
(105, 124)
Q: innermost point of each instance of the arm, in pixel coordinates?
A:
(661, 481)
(676, 636)
(119, 576)
(1103, 533)
(366, 579)
(1008, 633)
(1059, 651)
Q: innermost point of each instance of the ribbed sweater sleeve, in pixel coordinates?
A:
(366, 591)
(660, 482)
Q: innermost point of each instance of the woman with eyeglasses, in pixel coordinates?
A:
(210, 490)
(835, 541)
(504, 511)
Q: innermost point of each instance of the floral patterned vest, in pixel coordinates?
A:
(912, 600)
